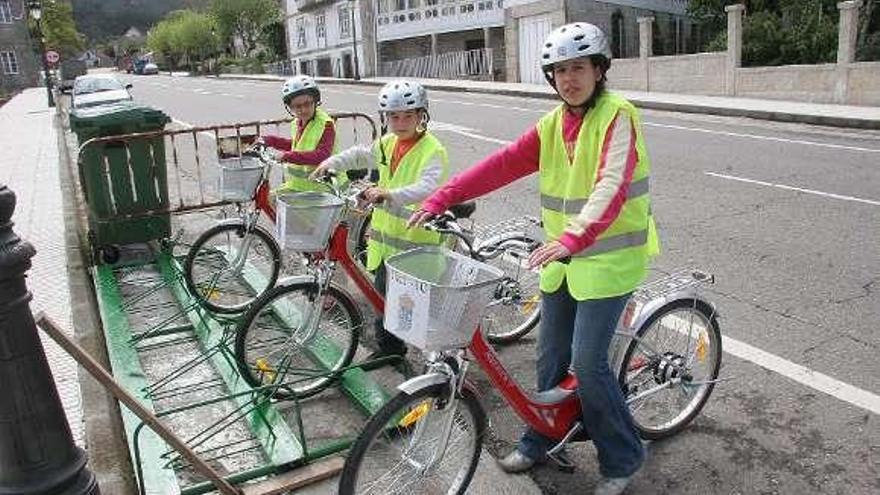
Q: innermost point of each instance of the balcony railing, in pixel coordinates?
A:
(440, 18)
(470, 64)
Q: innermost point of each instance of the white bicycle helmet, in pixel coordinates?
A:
(299, 85)
(402, 95)
(580, 39)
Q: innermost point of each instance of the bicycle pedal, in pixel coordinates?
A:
(562, 462)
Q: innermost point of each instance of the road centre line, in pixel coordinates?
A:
(803, 375)
(796, 189)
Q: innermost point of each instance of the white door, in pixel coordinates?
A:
(532, 32)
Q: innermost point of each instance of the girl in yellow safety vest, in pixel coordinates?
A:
(313, 135)
(593, 176)
(412, 163)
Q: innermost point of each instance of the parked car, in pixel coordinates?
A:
(150, 69)
(99, 89)
(70, 70)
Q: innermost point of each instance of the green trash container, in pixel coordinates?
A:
(125, 181)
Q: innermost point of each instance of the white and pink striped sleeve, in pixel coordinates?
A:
(617, 164)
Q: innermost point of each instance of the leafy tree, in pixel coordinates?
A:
(775, 32)
(245, 19)
(58, 28)
(184, 35)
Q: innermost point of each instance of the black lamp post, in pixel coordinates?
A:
(37, 12)
(354, 47)
(37, 453)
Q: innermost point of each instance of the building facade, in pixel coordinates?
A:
(326, 37)
(18, 65)
(528, 22)
(476, 39)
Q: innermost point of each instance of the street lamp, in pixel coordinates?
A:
(36, 12)
(354, 47)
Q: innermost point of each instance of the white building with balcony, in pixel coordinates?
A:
(326, 37)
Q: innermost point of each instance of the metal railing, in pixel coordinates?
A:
(469, 64)
(283, 68)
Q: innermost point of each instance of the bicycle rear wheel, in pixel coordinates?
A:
(282, 339)
(679, 346)
(397, 452)
(219, 267)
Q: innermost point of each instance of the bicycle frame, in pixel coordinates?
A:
(553, 416)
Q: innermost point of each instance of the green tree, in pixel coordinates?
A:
(775, 32)
(184, 36)
(58, 28)
(245, 19)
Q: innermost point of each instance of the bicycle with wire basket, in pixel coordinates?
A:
(666, 355)
(308, 325)
(237, 260)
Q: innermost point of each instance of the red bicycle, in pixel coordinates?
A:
(427, 439)
(220, 265)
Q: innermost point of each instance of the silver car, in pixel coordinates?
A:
(99, 89)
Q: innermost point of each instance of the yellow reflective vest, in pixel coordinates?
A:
(618, 261)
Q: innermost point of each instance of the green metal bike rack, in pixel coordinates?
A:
(282, 445)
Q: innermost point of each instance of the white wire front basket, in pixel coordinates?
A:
(239, 177)
(305, 220)
(435, 297)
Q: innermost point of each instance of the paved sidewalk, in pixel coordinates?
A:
(777, 110)
(31, 169)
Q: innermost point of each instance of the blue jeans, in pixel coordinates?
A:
(582, 331)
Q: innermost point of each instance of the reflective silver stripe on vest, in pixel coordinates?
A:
(401, 212)
(614, 243)
(574, 206)
(396, 243)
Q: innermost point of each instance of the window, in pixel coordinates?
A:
(344, 21)
(321, 29)
(301, 32)
(9, 62)
(5, 12)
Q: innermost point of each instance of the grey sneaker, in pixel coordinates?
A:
(612, 486)
(515, 462)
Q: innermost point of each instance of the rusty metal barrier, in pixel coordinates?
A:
(191, 160)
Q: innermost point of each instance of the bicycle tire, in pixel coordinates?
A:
(204, 295)
(506, 333)
(629, 363)
(397, 408)
(248, 352)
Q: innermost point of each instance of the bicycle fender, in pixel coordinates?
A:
(417, 383)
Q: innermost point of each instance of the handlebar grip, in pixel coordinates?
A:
(565, 260)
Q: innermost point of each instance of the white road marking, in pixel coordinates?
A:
(187, 125)
(796, 189)
(803, 375)
(464, 131)
(764, 138)
(793, 371)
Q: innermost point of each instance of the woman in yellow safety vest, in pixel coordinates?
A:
(412, 163)
(313, 135)
(600, 236)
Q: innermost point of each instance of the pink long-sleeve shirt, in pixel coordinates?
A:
(521, 158)
(313, 157)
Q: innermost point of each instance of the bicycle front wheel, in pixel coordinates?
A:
(229, 267)
(515, 308)
(403, 448)
(298, 336)
(668, 371)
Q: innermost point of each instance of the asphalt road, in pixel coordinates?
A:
(786, 216)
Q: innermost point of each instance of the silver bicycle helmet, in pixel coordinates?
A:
(580, 39)
(299, 85)
(402, 95)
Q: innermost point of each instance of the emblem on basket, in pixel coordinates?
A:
(405, 313)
